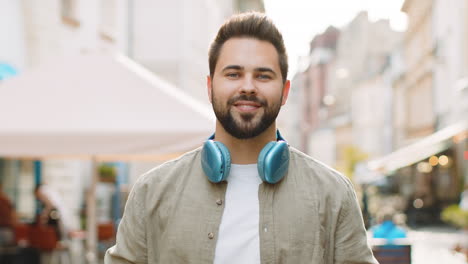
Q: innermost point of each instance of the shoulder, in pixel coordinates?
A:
(170, 171)
(310, 169)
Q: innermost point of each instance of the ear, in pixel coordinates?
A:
(286, 88)
(209, 87)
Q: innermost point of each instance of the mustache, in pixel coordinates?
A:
(244, 97)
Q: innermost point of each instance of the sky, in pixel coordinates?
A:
(300, 20)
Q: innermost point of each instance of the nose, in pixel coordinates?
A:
(248, 86)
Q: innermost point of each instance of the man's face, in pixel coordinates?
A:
(247, 90)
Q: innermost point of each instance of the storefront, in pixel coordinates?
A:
(429, 175)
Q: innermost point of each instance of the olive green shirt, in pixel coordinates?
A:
(173, 215)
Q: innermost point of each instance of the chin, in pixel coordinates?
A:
(250, 123)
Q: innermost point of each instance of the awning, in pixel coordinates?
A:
(422, 149)
(98, 105)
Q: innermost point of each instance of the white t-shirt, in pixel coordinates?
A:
(238, 238)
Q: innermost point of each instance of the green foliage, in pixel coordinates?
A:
(107, 173)
(455, 216)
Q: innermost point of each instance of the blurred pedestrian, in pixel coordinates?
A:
(245, 196)
(52, 211)
(8, 220)
(19, 251)
(387, 228)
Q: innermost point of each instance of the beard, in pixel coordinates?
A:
(245, 125)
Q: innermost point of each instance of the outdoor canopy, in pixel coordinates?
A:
(98, 105)
(419, 150)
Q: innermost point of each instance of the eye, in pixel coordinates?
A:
(264, 77)
(232, 75)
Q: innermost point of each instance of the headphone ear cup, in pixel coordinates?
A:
(273, 162)
(216, 161)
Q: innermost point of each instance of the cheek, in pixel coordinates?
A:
(273, 95)
(223, 92)
(219, 99)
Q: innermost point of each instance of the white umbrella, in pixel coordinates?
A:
(98, 106)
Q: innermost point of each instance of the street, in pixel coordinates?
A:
(433, 245)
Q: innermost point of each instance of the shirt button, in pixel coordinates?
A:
(219, 202)
(210, 235)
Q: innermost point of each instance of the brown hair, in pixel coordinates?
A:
(254, 25)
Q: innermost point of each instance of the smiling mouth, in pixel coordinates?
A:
(247, 106)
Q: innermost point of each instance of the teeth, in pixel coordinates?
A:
(247, 107)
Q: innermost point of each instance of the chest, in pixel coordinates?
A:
(292, 226)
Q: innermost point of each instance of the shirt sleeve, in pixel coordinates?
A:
(351, 245)
(131, 244)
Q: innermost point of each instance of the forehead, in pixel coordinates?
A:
(248, 53)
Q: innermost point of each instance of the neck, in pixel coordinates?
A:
(245, 151)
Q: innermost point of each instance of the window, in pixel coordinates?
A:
(68, 12)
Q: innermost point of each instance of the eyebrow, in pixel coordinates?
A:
(232, 67)
(259, 69)
(265, 69)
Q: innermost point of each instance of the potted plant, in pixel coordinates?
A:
(107, 173)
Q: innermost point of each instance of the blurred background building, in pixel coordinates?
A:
(389, 109)
(341, 88)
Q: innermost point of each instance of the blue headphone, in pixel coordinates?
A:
(272, 165)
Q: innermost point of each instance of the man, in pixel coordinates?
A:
(210, 205)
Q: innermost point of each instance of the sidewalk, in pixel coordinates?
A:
(433, 245)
